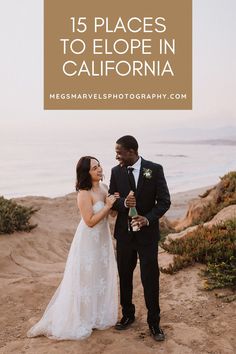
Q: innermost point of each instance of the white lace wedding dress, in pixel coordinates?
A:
(87, 296)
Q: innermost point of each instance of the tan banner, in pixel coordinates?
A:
(118, 55)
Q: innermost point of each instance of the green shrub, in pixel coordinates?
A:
(215, 247)
(14, 217)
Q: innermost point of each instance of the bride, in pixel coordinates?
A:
(87, 296)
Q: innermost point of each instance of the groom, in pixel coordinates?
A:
(151, 198)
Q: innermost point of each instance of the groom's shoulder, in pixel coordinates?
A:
(151, 164)
(116, 168)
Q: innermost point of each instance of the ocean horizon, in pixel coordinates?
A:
(37, 166)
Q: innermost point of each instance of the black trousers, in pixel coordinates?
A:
(127, 260)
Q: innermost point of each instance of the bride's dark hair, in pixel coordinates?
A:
(83, 177)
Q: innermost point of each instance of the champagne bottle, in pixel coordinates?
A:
(132, 213)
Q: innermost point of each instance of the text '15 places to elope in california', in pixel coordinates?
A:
(118, 55)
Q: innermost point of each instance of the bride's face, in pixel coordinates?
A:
(95, 170)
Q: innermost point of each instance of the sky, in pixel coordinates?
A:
(214, 78)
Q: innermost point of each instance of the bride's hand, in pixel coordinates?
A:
(110, 200)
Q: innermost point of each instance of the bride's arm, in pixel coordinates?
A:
(85, 206)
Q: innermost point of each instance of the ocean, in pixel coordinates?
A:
(44, 164)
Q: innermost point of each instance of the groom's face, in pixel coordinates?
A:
(124, 156)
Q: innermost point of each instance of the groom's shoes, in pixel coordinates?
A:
(157, 333)
(124, 323)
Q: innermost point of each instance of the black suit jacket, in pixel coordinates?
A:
(152, 201)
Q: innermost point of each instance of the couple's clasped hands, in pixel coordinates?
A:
(110, 199)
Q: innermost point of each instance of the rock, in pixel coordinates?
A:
(219, 197)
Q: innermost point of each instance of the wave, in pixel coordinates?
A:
(171, 155)
(227, 142)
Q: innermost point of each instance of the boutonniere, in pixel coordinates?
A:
(147, 173)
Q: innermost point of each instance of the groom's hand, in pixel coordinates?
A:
(130, 201)
(139, 221)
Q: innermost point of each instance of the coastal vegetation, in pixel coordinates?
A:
(215, 247)
(211, 244)
(15, 217)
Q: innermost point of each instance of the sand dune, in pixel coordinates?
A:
(31, 267)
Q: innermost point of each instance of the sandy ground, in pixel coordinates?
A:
(31, 267)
